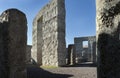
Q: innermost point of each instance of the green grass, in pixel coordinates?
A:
(49, 67)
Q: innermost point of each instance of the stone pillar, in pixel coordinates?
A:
(78, 50)
(71, 55)
(66, 56)
(49, 45)
(108, 43)
(13, 41)
(28, 54)
(89, 52)
(94, 53)
(4, 68)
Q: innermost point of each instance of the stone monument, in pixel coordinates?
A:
(49, 46)
(13, 41)
(71, 54)
(85, 52)
(108, 38)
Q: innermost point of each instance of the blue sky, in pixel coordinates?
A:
(80, 16)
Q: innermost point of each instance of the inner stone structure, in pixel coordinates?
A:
(13, 41)
(49, 46)
(108, 38)
(28, 54)
(71, 55)
(85, 52)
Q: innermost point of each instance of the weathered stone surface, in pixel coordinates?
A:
(108, 35)
(94, 53)
(49, 46)
(13, 41)
(28, 54)
(71, 54)
(85, 53)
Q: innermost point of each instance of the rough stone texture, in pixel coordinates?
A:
(49, 46)
(85, 53)
(13, 40)
(71, 54)
(66, 56)
(28, 54)
(108, 35)
(94, 53)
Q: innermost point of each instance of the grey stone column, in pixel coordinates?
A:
(13, 42)
(108, 43)
(28, 54)
(79, 49)
(4, 68)
(89, 50)
(49, 45)
(68, 54)
(71, 55)
(94, 53)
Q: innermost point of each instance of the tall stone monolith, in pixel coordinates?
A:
(13, 41)
(49, 46)
(71, 54)
(108, 38)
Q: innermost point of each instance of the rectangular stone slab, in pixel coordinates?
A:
(108, 38)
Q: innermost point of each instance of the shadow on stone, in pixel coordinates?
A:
(37, 72)
(109, 56)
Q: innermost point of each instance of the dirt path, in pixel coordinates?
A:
(62, 72)
(76, 72)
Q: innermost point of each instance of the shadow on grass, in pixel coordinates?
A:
(37, 72)
(81, 65)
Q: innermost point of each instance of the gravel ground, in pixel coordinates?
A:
(76, 72)
(62, 72)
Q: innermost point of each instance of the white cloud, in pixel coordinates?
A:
(0, 11)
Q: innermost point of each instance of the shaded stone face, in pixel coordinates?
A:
(28, 54)
(108, 43)
(71, 54)
(13, 40)
(49, 45)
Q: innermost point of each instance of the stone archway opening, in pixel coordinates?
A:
(85, 49)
